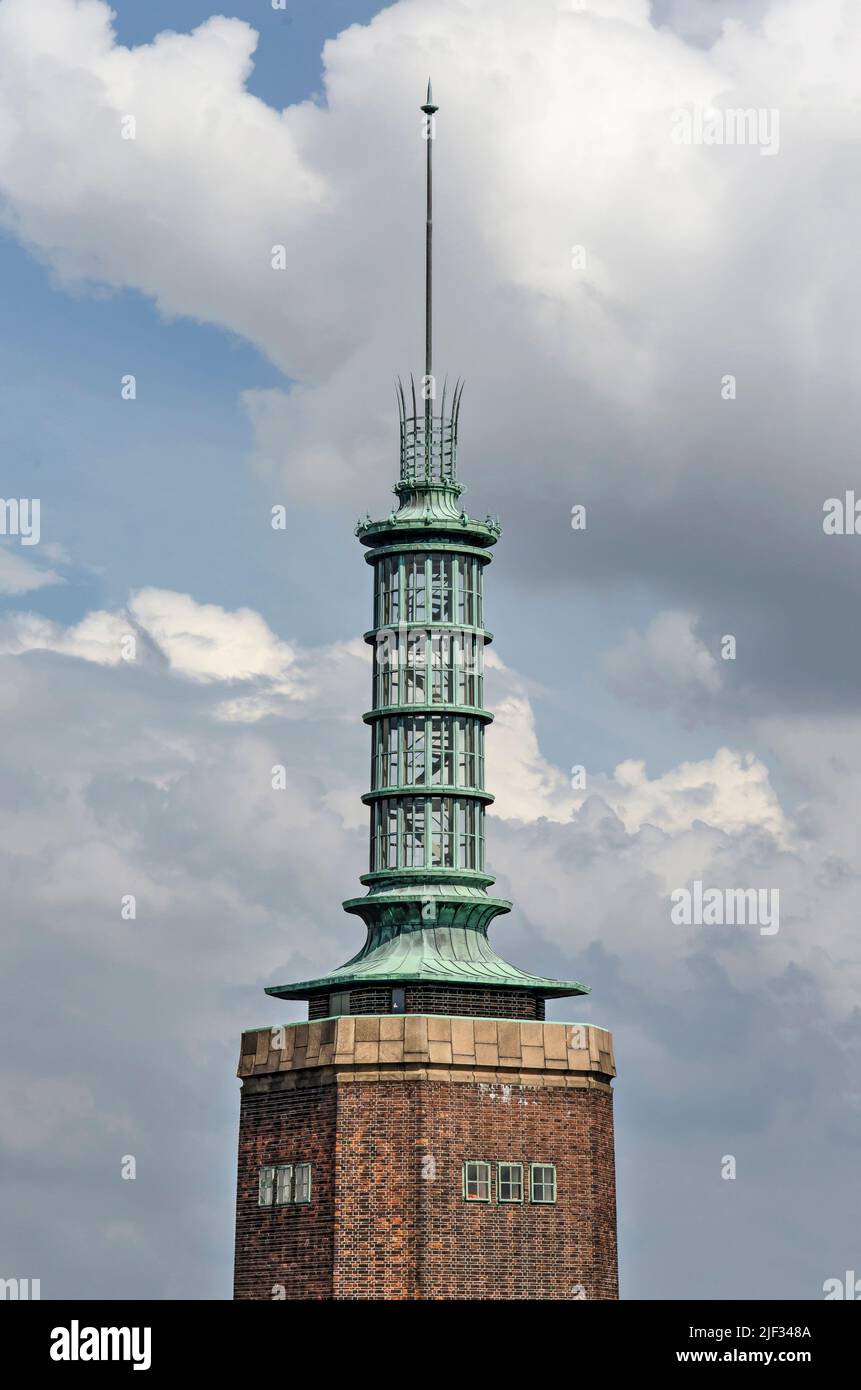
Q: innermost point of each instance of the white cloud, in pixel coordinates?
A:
(730, 791)
(20, 576)
(206, 643)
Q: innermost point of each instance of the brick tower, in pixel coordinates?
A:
(426, 1134)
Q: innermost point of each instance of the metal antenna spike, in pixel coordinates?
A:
(413, 389)
(442, 405)
(429, 110)
(457, 410)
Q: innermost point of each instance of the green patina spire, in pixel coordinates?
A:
(427, 909)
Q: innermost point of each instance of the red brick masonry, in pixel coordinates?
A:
(387, 1137)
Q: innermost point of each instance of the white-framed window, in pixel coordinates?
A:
(509, 1182)
(284, 1185)
(542, 1183)
(476, 1181)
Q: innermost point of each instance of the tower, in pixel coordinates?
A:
(426, 1134)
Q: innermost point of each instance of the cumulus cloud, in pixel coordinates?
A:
(124, 779)
(620, 356)
(21, 576)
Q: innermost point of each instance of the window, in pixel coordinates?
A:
(266, 1187)
(415, 669)
(386, 669)
(385, 763)
(284, 1185)
(469, 835)
(469, 590)
(302, 1183)
(542, 1179)
(442, 832)
(442, 669)
(442, 750)
(398, 1000)
(509, 1182)
(414, 566)
(414, 751)
(388, 609)
(476, 1182)
(339, 1003)
(413, 842)
(442, 609)
(470, 772)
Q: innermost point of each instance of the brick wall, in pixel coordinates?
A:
(406, 1236)
(290, 1245)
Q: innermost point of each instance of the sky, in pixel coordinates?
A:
(663, 332)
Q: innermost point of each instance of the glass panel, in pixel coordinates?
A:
(302, 1185)
(416, 669)
(442, 608)
(284, 1184)
(442, 837)
(414, 751)
(391, 835)
(469, 771)
(266, 1187)
(442, 655)
(415, 588)
(413, 856)
(476, 1182)
(543, 1177)
(442, 751)
(385, 670)
(391, 753)
(387, 605)
(510, 1182)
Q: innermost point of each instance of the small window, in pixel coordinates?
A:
(284, 1184)
(398, 1001)
(266, 1187)
(476, 1182)
(302, 1183)
(339, 1003)
(509, 1182)
(542, 1177)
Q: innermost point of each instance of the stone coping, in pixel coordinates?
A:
(371, 1046)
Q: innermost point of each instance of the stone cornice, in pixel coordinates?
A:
(428, 1047)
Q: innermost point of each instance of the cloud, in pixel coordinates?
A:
(712, 505)
(124, 779)
(20, 576)
(668, 666)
